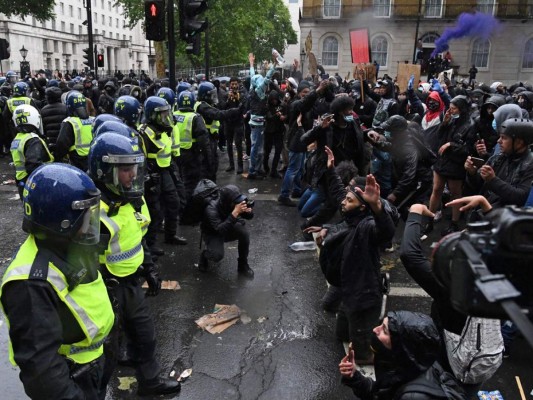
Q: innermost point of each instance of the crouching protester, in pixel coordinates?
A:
(52, 294)
(223, 221)
(353, 264)
(406, 347)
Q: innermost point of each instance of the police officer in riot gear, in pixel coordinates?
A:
(206, 107)
(20, 96)
(116, 163)
(53, 296)
(75, 134)
(28, 148)
(160, 188)
(194, 140)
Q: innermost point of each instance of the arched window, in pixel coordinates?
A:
(332, 8)
(379, 50)
(527, 59)
(429, 39)
(486, 6)
(330, 51)
(480, 53)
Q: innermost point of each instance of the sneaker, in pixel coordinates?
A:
(285, 201)
(230, 168)
(239, 171)
(158, 386)
(246, 271)
(245, 157)
(438, 216)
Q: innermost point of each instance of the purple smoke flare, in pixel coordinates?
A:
(473, 25)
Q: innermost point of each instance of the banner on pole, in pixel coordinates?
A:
(360, 46)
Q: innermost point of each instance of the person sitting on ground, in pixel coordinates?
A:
(406, 346)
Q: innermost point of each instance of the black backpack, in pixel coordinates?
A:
(204, 192)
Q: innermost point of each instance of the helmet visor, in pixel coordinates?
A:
(163, 117)
(89, 231)
(213, 96)
(128, 175)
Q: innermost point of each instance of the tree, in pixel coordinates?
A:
(236, 28)
(41, 10)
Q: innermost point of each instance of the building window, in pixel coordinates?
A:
(95, 18)
(33, 21)
(56, 62)
(62, 26)
(96, 31)
(74, 48)
(480, 53)
(54, 24)
(109, 5)
(382, 8)
(379, 48)
(102, 4)
(433, 9)
(80, 29)
(72, 28)
(486, 6)
(79, 13)
(330, 51)
(71, 11)
(64, 45)
(56, 46)
(103, 33)
(61, 8)
(527, 59)
(116, 22)
(332, 8)
(111, 21)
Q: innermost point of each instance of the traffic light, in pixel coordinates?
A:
(100, 60)
(5, 51)
(154, 13)
(189, 12)
(193, 45)
(88, 56)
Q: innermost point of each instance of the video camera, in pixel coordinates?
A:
(488, 268)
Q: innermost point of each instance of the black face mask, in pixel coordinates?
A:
(378, 348)
(433, 105)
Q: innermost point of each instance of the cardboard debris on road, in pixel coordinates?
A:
(167, 285)
(221, 319)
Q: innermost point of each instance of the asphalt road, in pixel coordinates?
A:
(285, 346)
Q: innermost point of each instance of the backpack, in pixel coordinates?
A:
(205, 191)
(427, 156)
(477, 353)
(435, 383)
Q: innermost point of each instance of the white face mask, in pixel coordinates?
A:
(455, 116)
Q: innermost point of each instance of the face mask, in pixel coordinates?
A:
(433, 106)
(378, 348)
(348, 118)
(387, 134)
(455, 116)
(494, 125)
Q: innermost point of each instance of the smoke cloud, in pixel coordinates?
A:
(468, 25)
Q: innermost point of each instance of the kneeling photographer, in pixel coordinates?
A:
(475, 277)
(223, 221)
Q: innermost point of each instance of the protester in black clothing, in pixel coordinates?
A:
(472, 72)
(406, 347)
(506, 178)
(365, 106)
(234, 127)
(53, 115)
(107, 99)
(90, 92)
(274, 130)
(483, 123)
(366, 225)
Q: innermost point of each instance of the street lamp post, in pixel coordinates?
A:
(302, 59)
(24, 65)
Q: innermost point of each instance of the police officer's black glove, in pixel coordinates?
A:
(152, 278)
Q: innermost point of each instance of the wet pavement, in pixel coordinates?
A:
(287, 350)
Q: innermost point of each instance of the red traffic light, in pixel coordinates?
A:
(153, 10)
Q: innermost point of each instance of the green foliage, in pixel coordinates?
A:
(236, 28)
(42, 10)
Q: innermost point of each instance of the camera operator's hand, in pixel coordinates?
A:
(375, 137)
(487, 173)
(470, 202)
(323, 86)
(347, 366)
(331, 157)
(240, 208)
(469, 166)
(421, 209)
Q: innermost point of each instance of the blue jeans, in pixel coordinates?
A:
(293, 176)
(311, 201)
(256, 156)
